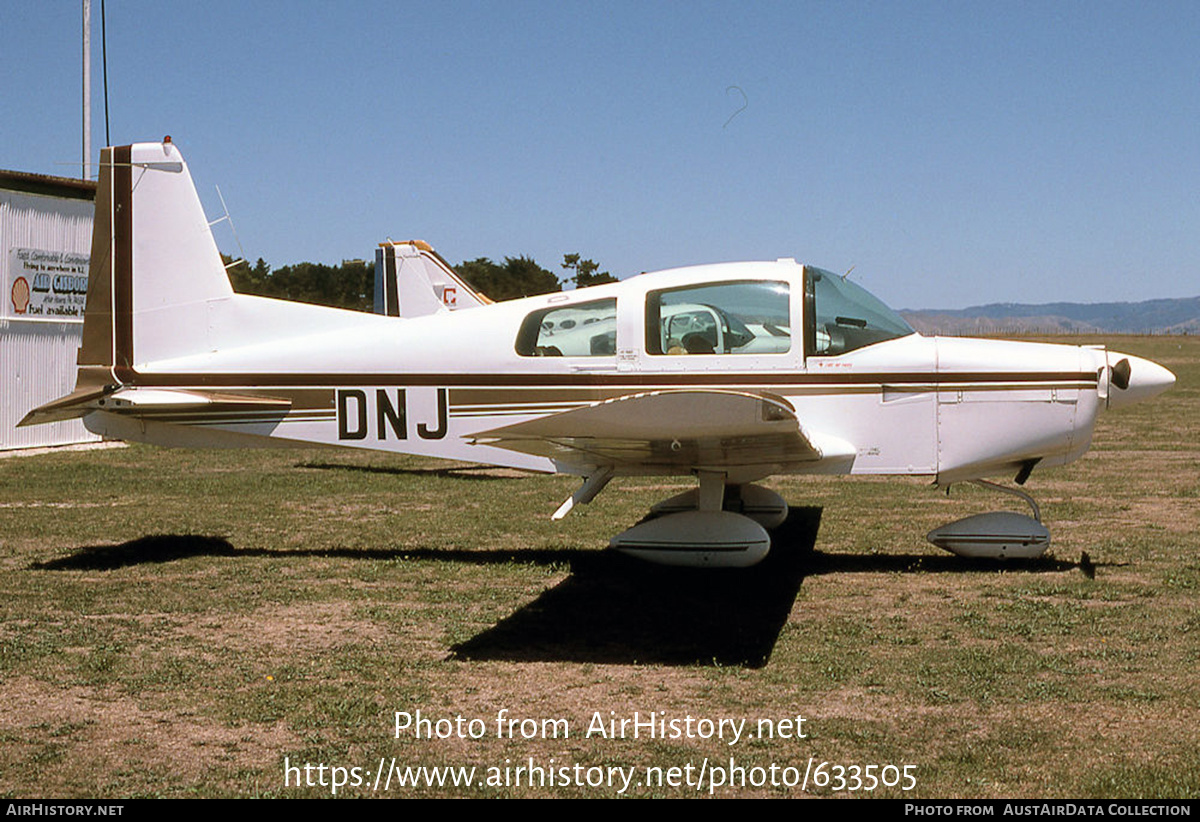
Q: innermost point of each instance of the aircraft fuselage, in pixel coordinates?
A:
(948, 408)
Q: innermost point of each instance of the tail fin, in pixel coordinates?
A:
(412, 280)
(148, 219)
(157, 288)
(167, 234)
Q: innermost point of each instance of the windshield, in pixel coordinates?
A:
(841, 316)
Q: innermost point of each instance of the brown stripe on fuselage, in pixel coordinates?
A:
(477, 399)
(641, 381)
(481, 395)
(303, 399)
(218, 416)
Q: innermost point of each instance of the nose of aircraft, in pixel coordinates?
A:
(1132, 379)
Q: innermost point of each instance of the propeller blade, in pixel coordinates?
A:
(1120, 374)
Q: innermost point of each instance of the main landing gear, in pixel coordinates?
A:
(713, 526)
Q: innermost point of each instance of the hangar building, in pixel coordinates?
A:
(45, 242)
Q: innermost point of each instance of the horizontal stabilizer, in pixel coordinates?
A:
(150, 402)
(76, 404)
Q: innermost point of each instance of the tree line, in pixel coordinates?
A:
(352, 284)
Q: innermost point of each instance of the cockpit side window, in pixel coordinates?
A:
(748, 317)
(580, 330)
(841, 316)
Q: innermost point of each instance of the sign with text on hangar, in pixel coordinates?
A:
(46, 284)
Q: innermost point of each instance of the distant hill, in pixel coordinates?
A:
(1176, 316)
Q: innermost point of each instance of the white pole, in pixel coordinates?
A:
(87, 86)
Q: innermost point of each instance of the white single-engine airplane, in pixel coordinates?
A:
(730, 372)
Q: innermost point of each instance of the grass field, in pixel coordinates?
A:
(178, 623)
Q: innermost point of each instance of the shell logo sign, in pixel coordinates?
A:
(20, 295)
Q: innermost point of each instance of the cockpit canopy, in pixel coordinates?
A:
(735, 316)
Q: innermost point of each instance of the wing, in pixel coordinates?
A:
(673, 432)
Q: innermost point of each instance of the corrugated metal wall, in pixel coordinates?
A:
(37, 357)
(37, 364)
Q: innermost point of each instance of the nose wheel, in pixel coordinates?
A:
(1016, 492)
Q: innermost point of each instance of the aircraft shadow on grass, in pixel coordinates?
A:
(613, 609)
(618, 610)
(151, 549)
(158, 548)
(470, 472)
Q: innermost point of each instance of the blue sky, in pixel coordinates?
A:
(952, 153)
